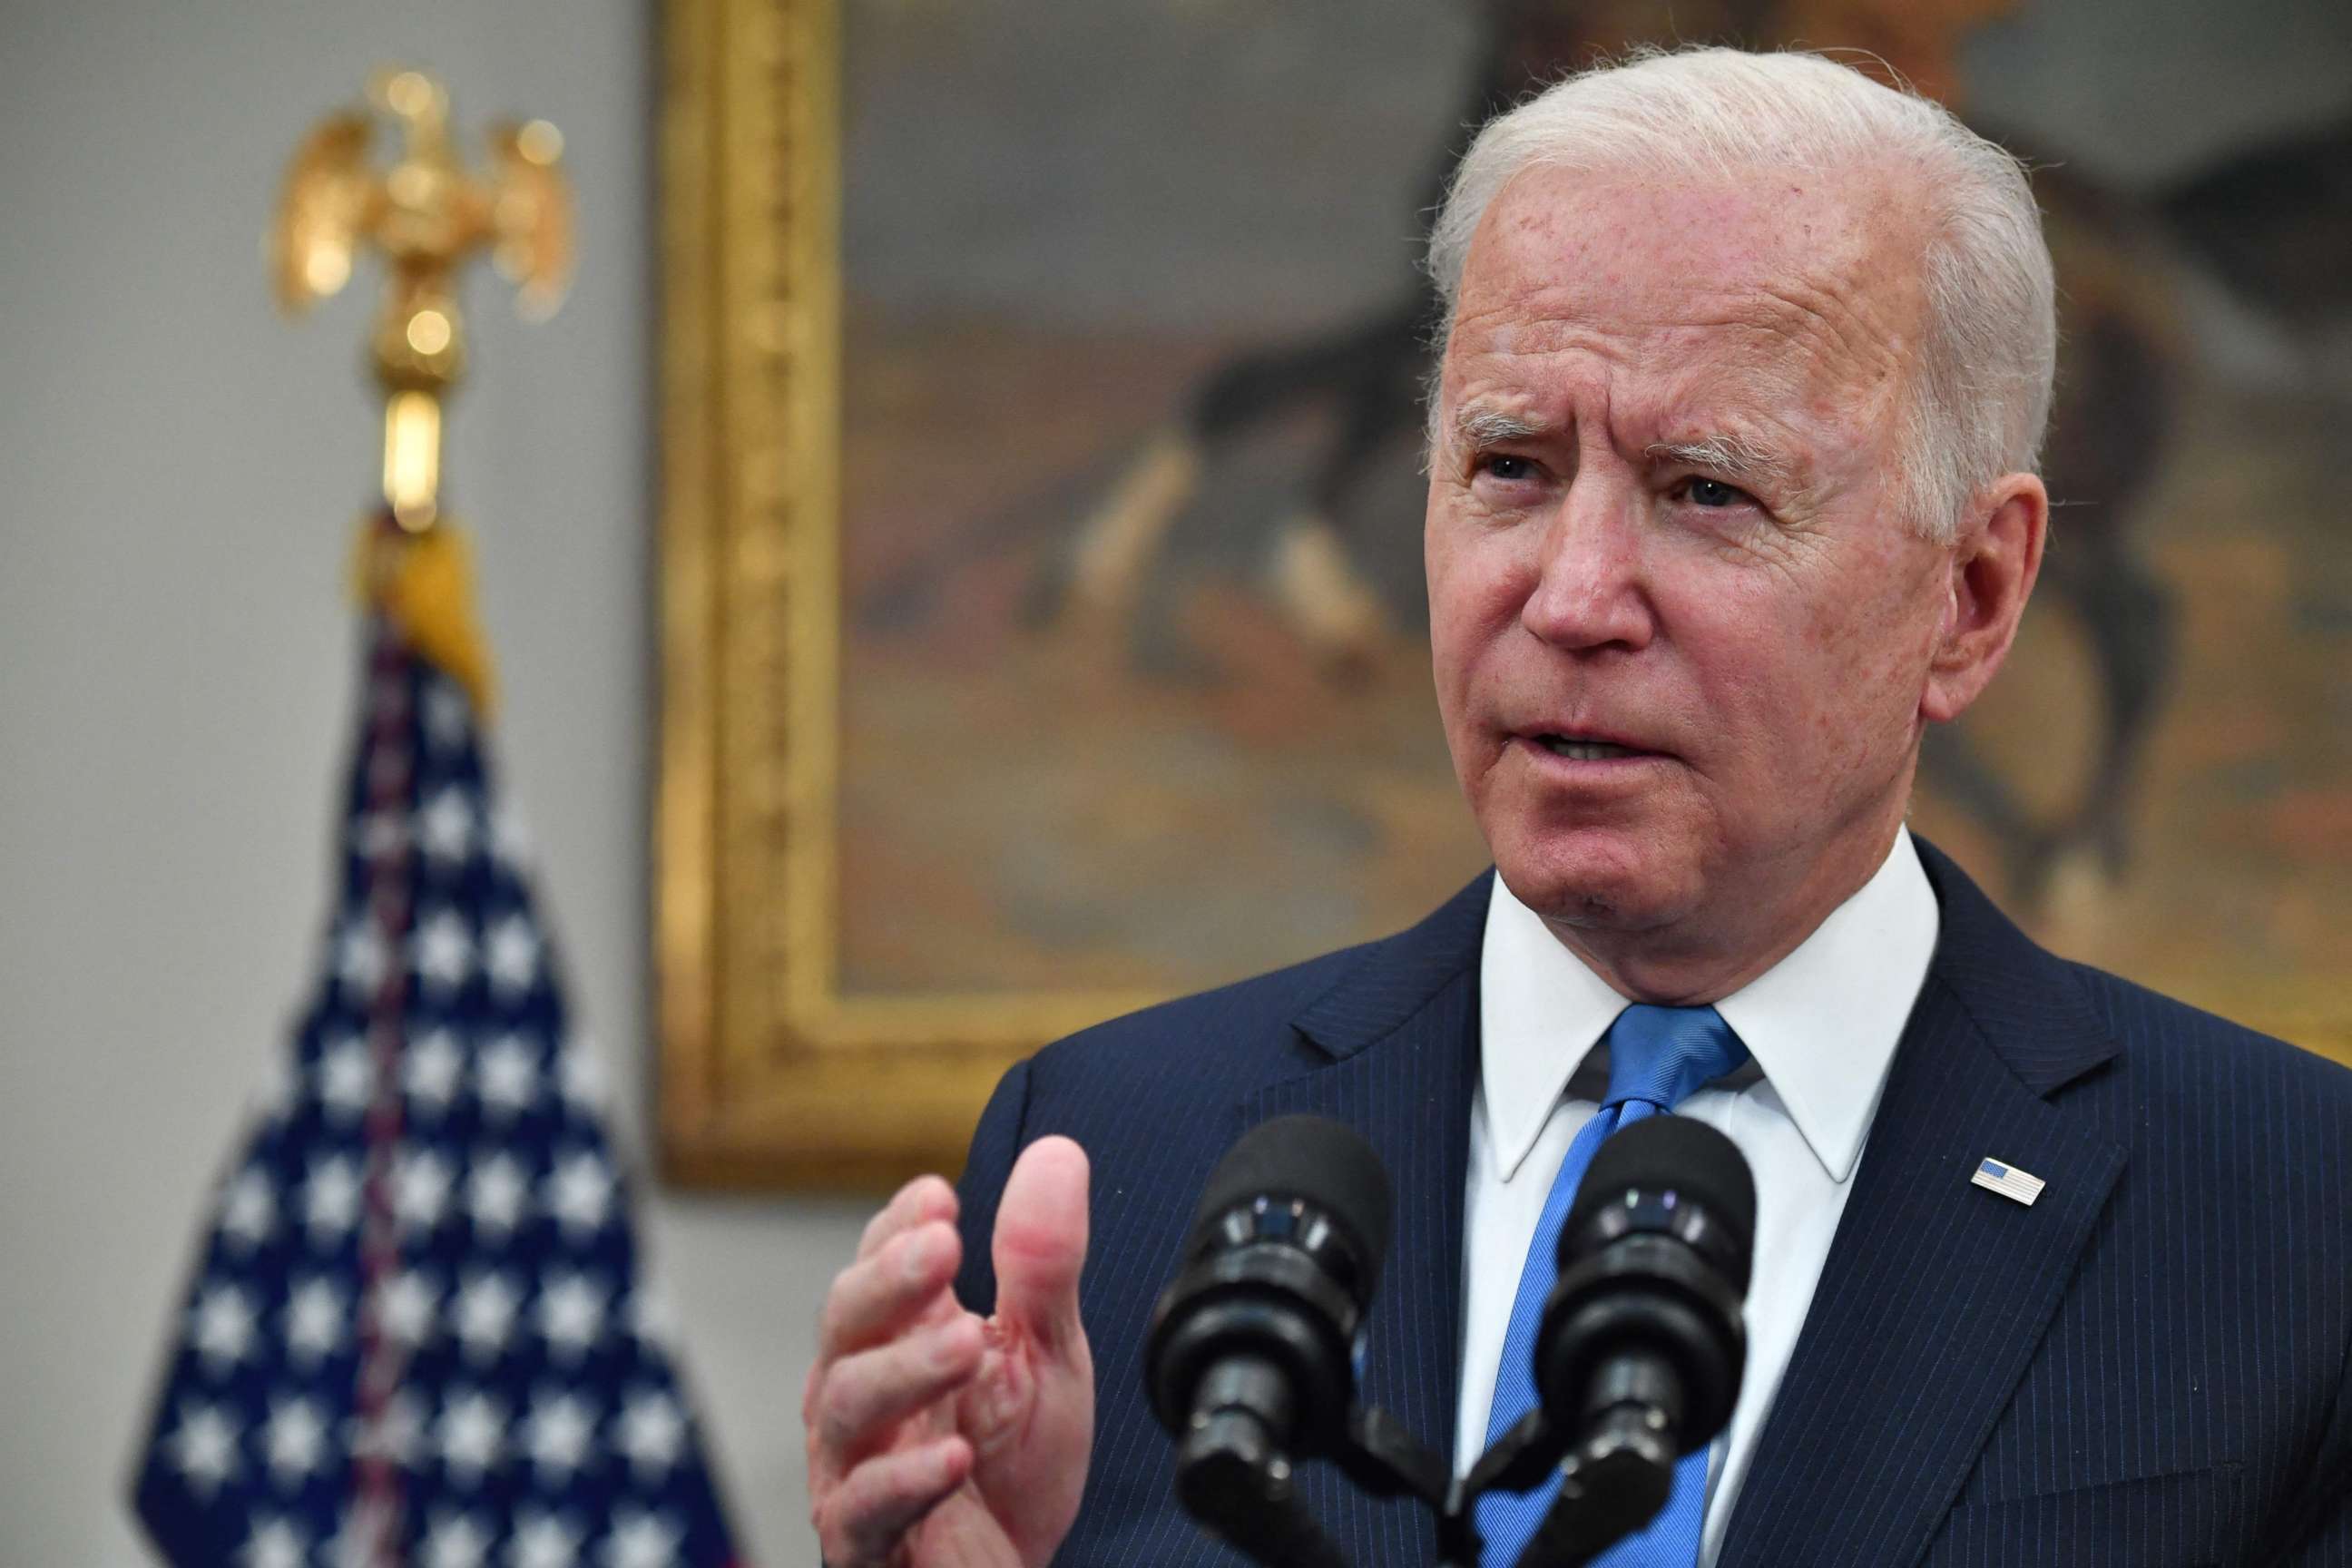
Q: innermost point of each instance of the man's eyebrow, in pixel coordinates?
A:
(1733, 457)
(1481, 427)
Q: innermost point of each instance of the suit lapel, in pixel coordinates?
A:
(1936, 1292)
(1401, 1029)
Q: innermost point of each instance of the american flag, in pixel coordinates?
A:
(416, 1332)
(1995, 1176)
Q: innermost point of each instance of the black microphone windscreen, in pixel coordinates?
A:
(1676, 1152)
(1313, 1158)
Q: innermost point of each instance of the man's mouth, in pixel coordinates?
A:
(1585, 749)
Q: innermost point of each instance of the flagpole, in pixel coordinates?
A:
(390, 769)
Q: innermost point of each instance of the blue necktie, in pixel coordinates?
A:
(1657, 1057)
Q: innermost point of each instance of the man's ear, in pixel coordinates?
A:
(1993, 566)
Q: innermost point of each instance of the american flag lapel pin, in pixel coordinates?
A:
(2008, 1180)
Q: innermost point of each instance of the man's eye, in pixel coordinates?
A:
(1712, 493)
(1504, 466)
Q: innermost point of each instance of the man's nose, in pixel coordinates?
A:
(1589, 591)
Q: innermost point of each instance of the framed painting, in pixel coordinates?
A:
(1040, 623)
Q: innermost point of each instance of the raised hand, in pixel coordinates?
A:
(935, 1437)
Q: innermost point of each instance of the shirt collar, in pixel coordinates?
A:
(1821, 1024)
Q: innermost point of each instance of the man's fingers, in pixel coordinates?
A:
(1040, 1246)
(879, 1296)
(924, 1199)
(862, 1520)
(865, 1396)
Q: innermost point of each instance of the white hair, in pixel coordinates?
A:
(1980, 391)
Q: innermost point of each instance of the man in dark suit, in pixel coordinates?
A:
(1747, 361)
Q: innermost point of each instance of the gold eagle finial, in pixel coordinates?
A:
(427, 213)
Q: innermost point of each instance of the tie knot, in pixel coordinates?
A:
(1662, 1055)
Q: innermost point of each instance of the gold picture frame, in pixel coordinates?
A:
(769, 1076)
(769, 1073)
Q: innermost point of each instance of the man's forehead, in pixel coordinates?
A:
(1763, 291)
(1764, 216)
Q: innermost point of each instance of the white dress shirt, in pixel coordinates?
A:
(1821, 1026)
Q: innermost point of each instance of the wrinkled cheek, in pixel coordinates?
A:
(1876, 672)
(1452, 654)
(1860, 725)
(1473, 605)
(1456, 675)
(1458, 715)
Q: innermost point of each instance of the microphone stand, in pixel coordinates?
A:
(1612, 1485)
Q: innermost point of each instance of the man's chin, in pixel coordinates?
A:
(1595, 883)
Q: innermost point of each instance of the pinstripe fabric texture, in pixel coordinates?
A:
(2149, 1367)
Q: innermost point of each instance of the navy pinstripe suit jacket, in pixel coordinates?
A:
(2148, 1367)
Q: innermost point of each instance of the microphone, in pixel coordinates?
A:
(1640, 1349)
(1250, 1357)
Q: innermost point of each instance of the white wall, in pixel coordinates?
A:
(178, 474)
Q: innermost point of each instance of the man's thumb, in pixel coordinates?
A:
(1040, 1242)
